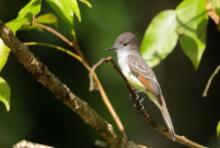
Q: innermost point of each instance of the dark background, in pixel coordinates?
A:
(36, 116)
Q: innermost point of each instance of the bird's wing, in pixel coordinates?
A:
(147, 77)
(144, 74)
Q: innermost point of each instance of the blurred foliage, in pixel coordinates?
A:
(48, 18)
(40, 122)
(216, 5)
(5, 93)
(218, 129)
(4, 52)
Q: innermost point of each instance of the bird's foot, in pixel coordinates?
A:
(138, 100)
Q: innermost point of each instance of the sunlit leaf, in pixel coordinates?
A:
(48, 18)
(218, 129)
(25, 15)
(216, 6)
(5, 93)
(4, 52)
(160, 37)
(87, 3)
(192, 23)
(66, 9)
(75, 9)
(63, 10)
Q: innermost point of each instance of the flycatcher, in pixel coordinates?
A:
(139, 75)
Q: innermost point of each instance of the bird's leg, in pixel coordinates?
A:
(137, 99)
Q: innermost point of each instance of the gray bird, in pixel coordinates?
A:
(139, 75)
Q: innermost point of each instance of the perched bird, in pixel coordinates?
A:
(139, 75)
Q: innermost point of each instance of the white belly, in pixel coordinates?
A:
(133, 81)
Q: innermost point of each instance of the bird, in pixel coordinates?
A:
(139, 74)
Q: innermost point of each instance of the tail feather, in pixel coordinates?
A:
(161, 104)
(167, 118)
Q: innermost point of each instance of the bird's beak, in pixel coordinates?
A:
(112, 48)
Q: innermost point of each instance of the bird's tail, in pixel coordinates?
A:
(167, 118)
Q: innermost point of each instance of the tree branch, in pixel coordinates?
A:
(139, 106)
(60, 90)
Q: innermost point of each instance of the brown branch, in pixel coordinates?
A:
(180, 139)
(28, 144)
(60, 90)
(41, 73)
(205, 92)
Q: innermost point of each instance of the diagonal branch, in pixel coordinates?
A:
(180, 139)
(60, 90)
(41, 73)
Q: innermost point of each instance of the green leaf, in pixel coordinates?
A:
(216, 6)
(75, 9)
(192, 21)
(218, 129)
(4, 52)
(65, 9)
(25, 15)
(5, 93)
(48, 18)
(86, 2)
(160, 37)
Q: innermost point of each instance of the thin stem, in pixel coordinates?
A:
(55, 47)
(60, 36)
(205, 92)
(55, 33)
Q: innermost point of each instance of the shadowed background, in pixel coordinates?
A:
(36, 116)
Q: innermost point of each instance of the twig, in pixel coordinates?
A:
(55, 47)
(92, 84)
(205, 92)
(54, 32)
(60, 36)
(180, 139)
(28, 144)
(96, 81)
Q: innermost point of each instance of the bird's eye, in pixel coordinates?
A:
(125, 44)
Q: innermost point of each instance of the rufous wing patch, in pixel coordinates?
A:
(147, 83)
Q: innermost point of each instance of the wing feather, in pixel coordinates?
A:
(144, 74)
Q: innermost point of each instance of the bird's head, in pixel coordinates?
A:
(125, 41)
